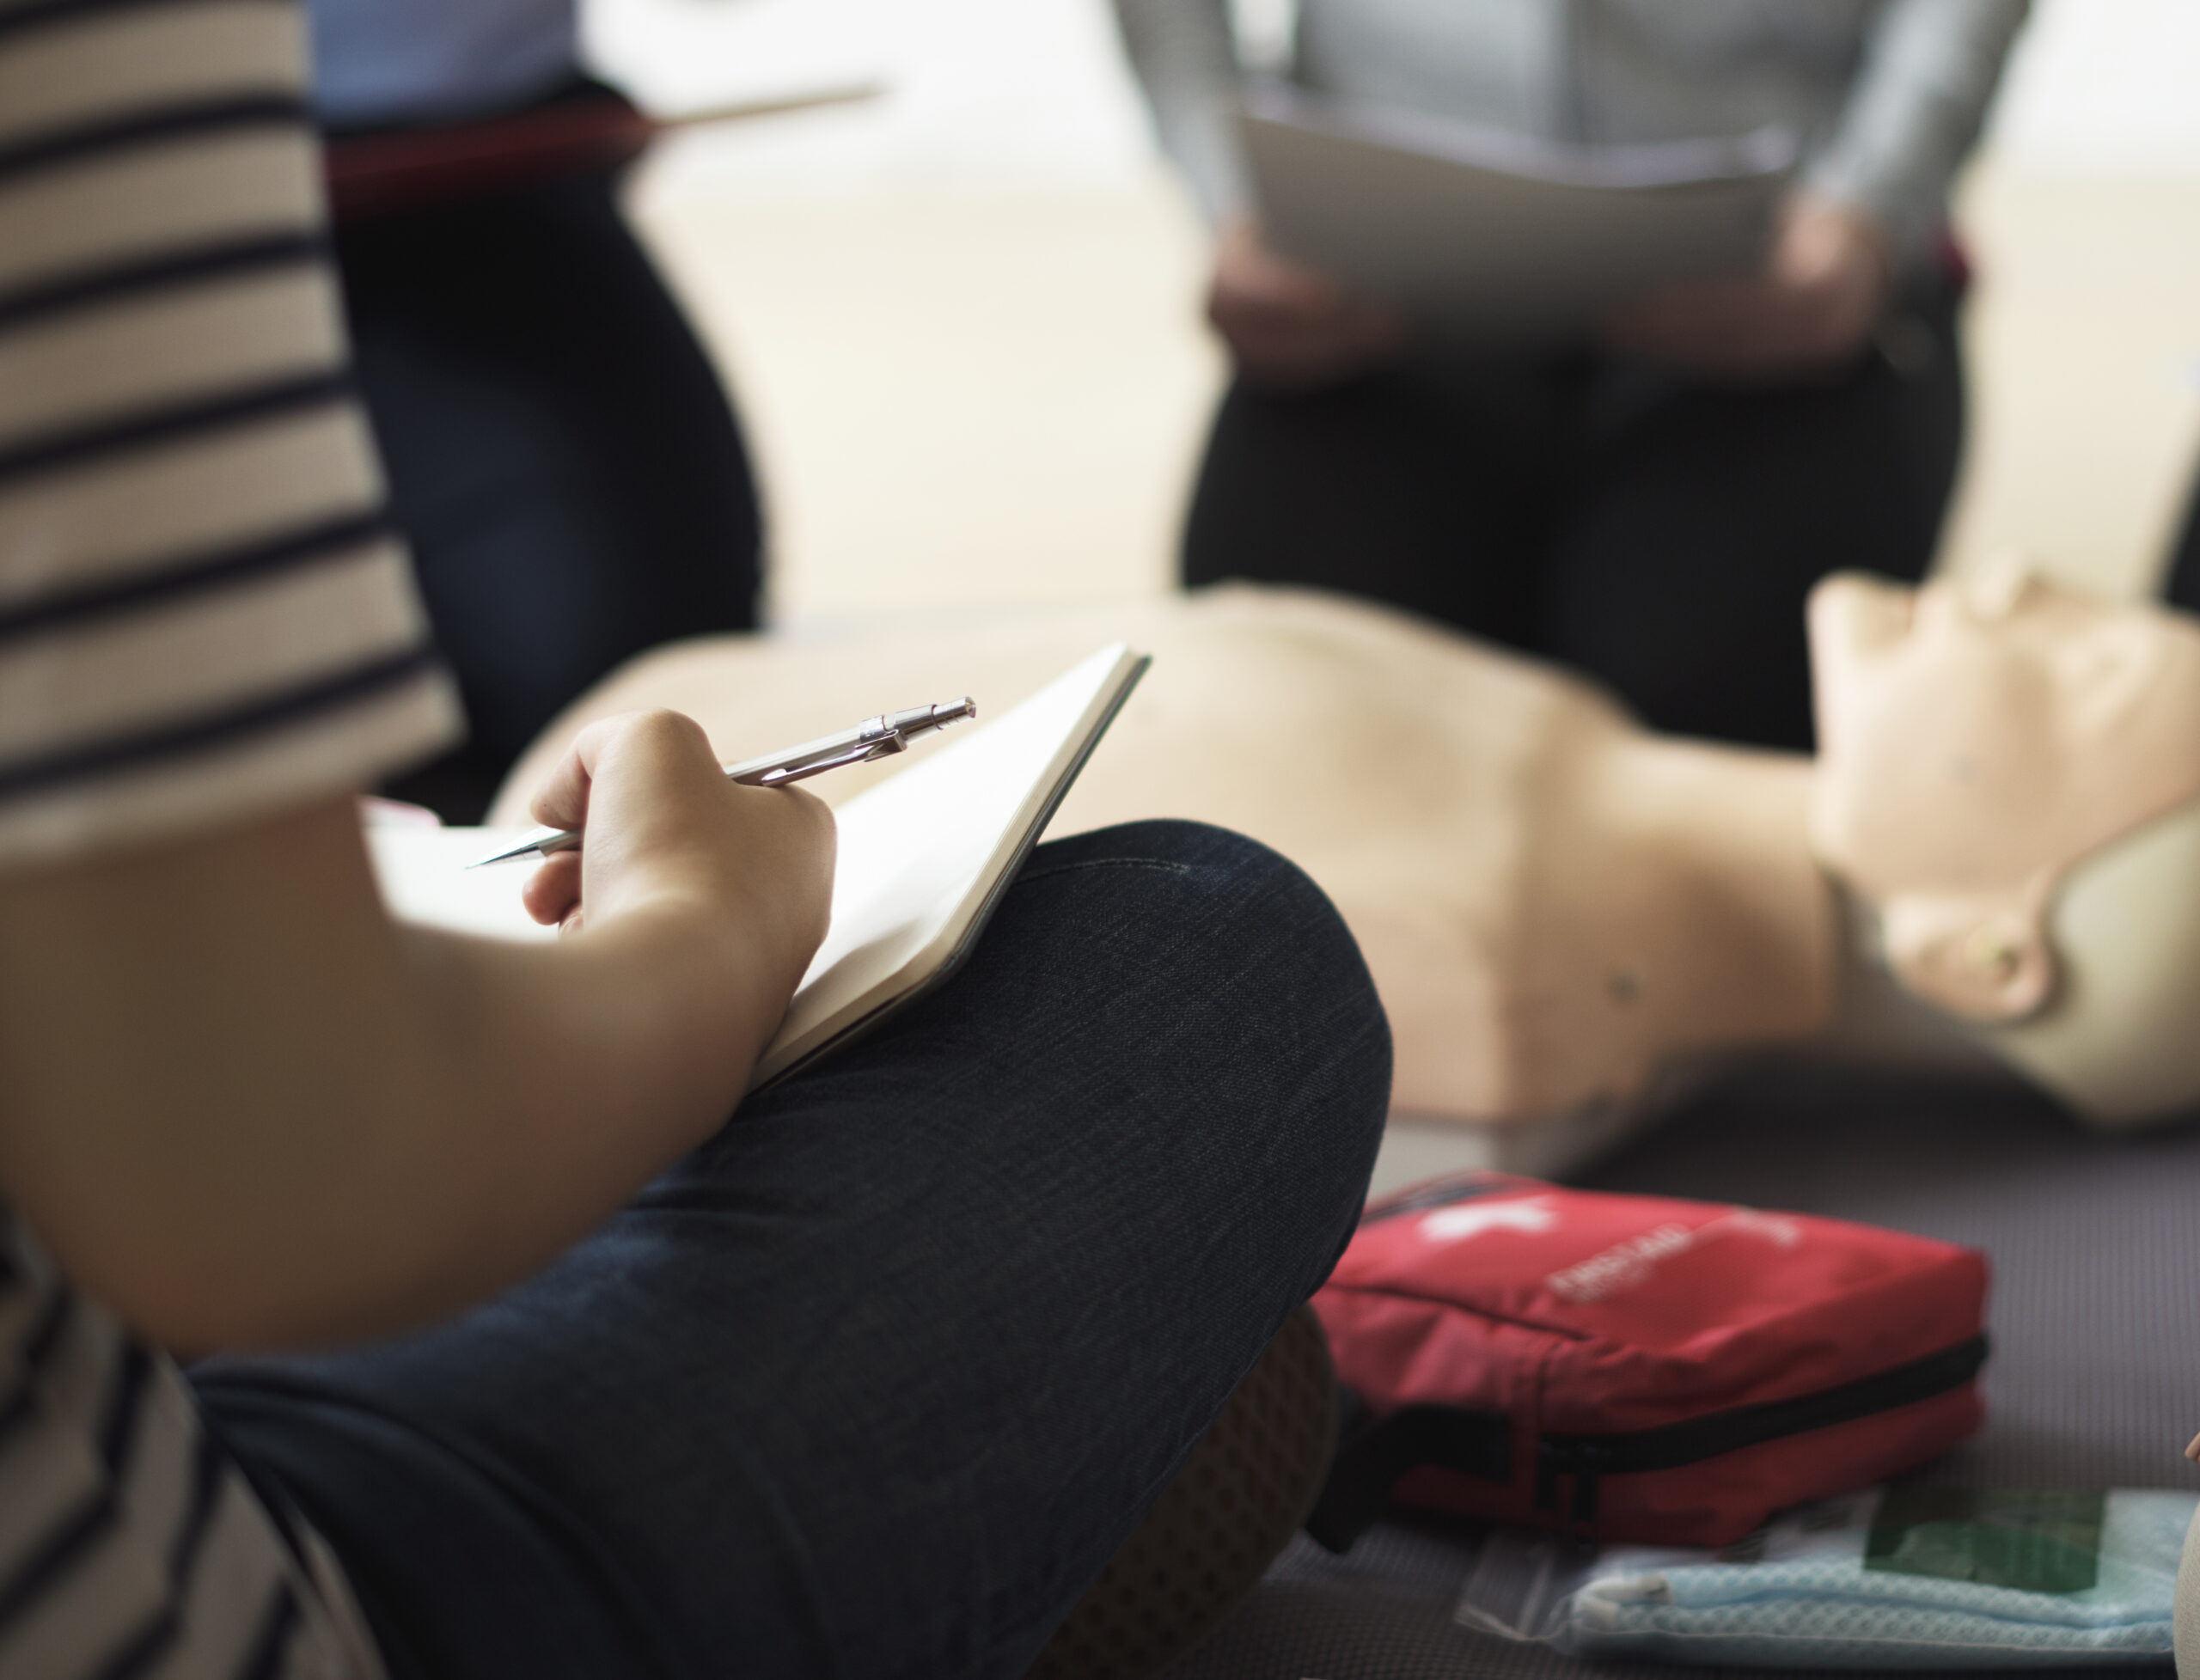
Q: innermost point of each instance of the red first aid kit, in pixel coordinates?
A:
(1635, 1368)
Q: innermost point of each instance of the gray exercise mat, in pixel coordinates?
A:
(2094, 1380)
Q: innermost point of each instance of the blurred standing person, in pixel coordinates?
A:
(1652, 507)
(561, 453)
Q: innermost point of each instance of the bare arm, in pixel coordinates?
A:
(244, 1107)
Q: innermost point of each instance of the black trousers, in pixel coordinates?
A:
(2182, 586)
(560, 452)
(1660, 537)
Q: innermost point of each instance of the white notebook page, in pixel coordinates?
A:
(920, 856)
(922, 853)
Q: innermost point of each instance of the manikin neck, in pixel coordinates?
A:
(2115, 1040)
(2118, 1041)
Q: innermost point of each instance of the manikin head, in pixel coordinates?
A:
(2009, 772)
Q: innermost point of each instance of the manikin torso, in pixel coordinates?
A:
(1560, 909)
(1552, 902)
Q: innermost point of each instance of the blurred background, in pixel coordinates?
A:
(961, 317)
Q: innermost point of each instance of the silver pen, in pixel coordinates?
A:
(876, 738)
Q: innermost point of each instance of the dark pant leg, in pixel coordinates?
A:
(1419, 486)
(2181, 586)
(875, 1382)
(1700, 519)
(561, 453)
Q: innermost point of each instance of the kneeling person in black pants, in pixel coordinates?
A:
(1653, 506)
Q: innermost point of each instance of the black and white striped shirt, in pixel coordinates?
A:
(129, 1545)
(204, 614)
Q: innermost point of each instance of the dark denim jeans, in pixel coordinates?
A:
(876, 1381)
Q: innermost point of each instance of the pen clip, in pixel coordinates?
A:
(862, 753)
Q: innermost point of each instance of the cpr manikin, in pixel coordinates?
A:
(1566, 914)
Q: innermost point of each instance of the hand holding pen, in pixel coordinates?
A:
(874, 738)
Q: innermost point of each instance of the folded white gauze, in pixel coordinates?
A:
(1903, 1577)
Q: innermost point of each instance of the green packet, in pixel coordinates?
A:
(1901, 1576)
(2033, 1540)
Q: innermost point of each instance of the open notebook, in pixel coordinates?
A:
(924, 857)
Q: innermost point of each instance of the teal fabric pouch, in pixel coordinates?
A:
(1889, 1578)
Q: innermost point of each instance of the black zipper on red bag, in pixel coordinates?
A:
(1588, 1458)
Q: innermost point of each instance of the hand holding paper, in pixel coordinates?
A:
(1819, 296)
(1290, 326)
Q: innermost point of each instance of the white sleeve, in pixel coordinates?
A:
(1929, 72)
(1186, 57)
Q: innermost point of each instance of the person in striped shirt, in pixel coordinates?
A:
(873, 1377)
